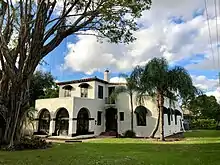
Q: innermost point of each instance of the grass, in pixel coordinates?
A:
(198, 148)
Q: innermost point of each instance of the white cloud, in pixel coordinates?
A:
(208, 86)
(157, 37)
(215, 93)
(117, 80)
(205, 84)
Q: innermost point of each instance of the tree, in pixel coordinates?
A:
(131, 88)
(42, 85)
(205, 107)
(160, 81)
(30, 30)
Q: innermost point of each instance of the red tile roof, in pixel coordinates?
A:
(88, 80)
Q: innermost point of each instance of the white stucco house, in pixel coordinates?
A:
(83, 107)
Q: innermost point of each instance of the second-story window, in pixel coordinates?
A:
(100, 92)
(84, 89)
(84, 92)
(67, 90)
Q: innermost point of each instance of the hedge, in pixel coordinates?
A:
(203, 124)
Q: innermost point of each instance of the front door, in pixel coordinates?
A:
(111, 119)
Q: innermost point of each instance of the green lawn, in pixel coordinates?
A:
(199, 148)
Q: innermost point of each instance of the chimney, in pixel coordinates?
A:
(106, 75)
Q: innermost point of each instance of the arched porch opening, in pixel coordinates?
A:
(44, 122)
(62, 122)
(83, 121)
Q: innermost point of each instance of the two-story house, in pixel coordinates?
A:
(84, 107)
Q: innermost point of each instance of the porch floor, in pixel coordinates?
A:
(72, 138)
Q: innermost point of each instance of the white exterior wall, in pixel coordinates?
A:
(93, 105)
(76, 91)
(74, 103)
(53, 106)
(123, 105)
(105, 90)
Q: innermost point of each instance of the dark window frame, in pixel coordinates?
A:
(175, 119)
(122, 116)
(100, 93)
(169, 118)
(141, 122)
(99, 118)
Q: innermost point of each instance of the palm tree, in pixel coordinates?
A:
(131, 87)
(160, 81)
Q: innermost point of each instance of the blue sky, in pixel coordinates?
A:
(174, 30)
(55, 59)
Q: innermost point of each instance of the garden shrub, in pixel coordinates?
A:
(32, 142)
(203, 124)
(129, 134)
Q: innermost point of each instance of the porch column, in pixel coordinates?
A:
(52, 127)
(74, 126)
(36, 125)
(91, 125)
(70, 131)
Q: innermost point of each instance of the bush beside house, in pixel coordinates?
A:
(203, 124)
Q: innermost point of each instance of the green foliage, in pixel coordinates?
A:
(205, 107)
(132, 83)
(173, 83)
(160, 81)
(117, 20)
(31, 143)
(42, 85)
(129, 134)
(203, 124)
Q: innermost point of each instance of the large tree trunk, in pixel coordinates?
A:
(13, 103)
(132, 113)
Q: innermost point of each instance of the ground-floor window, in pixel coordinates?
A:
(141, 113)
(99, 118)
(169, 118)
(175, 119)
(177, 113)
(121, 114)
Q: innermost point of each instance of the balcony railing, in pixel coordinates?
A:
(109, 100)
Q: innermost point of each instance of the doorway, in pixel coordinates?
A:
(111, 119)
